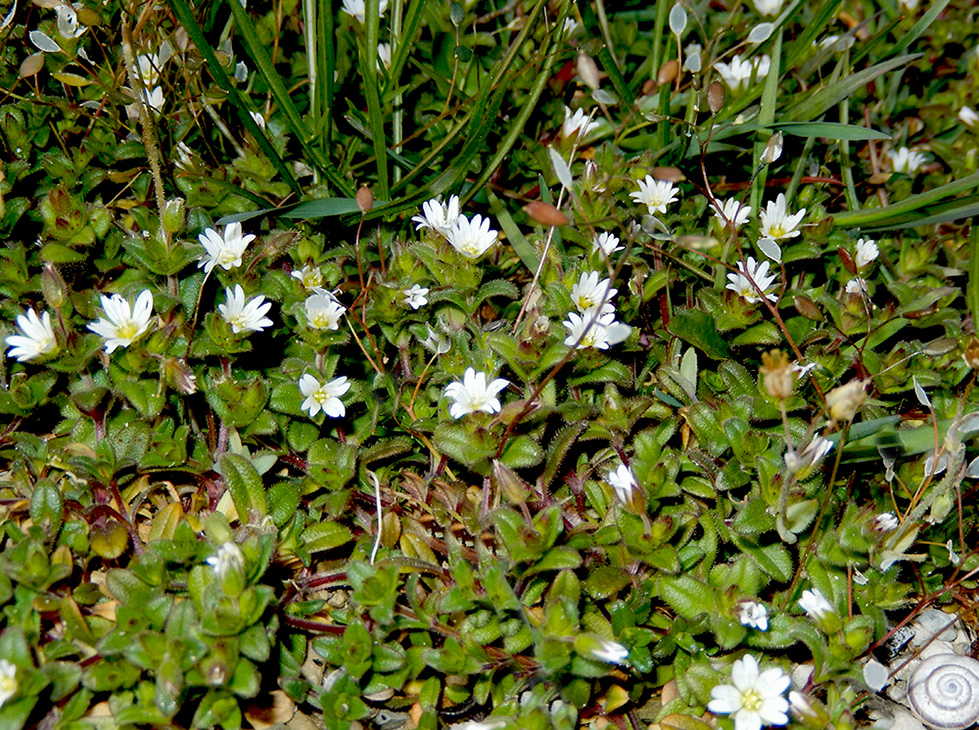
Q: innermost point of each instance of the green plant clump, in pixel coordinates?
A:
(416, 364)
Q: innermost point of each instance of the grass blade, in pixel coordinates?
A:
(830, 95)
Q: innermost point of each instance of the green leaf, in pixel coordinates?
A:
(697, 328)
(245, 485)
(323, 208)
(522, 452)
(687, 596)
(558, 558)
(325, 536)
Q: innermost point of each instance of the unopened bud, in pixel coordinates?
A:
(53, 287)
(843, 402)
(179, 376)
(174, 215)
(715, 97)
(545, 214)
(773, 150)
(778, 376)
(365, 199)
(668, 72)
(509, 484)
(589, 71)
(971, 354)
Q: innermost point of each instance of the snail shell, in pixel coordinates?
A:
(944, 691)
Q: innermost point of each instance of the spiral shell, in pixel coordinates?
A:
(944, 691)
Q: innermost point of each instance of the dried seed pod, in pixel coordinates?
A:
(944, 691)
(670, 174)
(715, 96)
(668, 72)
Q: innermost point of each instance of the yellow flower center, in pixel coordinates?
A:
(751, 700)
(127, 331)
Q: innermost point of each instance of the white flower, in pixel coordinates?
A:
(154, 99)
(739, 71)
(241, 72)
(224, 251)
(754, 698)
(655, 194)
(68, 25)
(905, 160)
(123, 323)
(740, 283)
(148, 68)
(610, 651)
(753, 615)
(37, 337)
(438, 216)
(323, 311)
(815, 604)
(909, 4)
(8, 681)
(228, 559)
(570, 27)
(886, 522)
(778, 223)
(473, 394)
(490, 723)
(607, 243)
(258, 119)
(817, 448)
(598, 332)
(472, 238)
(383, 55)
(734, 212)
(415, 297)
(967, 115)
(768, 7)
(323, 397)
(244, 317)
(437, 342)
(865, 253)
(856, 286)
(577, 124)
(357, 9)
(310, 276)
(623, 481)
(590, 292)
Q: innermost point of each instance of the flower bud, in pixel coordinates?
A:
(365, 199)
(589, 71)
(843, 402)
(180, 377)
(971, 354)
(545, 214)
(773, 149)
(668, 72)
(778, 376)
(174, 215)
(53, 287)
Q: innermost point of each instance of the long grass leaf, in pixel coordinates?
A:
(973, 287)
(769, 100)
(516, 125)
(186, 17)
(523, 247)
(893, 214)
(375, 111)
(814, 105)
(919, 28)
(293, 119)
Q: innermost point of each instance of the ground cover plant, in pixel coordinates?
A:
(500, 364)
